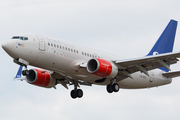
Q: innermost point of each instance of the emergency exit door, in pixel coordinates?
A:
(41, 43)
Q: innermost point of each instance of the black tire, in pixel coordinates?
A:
(79, 93)
(73, 94)
(109, 88)
(23, 73)
(115, 87)
(27, 72)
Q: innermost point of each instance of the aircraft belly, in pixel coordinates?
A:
(140, 80)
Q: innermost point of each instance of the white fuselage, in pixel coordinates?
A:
(65, 58)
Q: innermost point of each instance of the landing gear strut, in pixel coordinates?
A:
(26, 71)
(112, 87)
(76, 92)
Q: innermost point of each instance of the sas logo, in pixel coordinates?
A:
(155, 53)
(22, 45)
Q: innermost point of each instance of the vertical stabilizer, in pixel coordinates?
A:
(18, 75)
(165, 42)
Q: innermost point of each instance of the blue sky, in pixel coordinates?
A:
(127, 29)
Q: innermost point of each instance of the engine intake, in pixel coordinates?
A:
(101, 68)
(40, 78)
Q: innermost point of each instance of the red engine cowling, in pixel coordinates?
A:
(40, 78)
(102, 68)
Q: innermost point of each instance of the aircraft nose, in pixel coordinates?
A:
(6, 46)
(9, 47)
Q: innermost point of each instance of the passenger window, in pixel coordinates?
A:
(68, 49)
(88, 54)
(71, 50)
(57, 46)
(54, 45)
(48, 44)
(51, 44)
(82, 53)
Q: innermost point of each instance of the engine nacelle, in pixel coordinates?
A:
(102, 68)
(40, 78)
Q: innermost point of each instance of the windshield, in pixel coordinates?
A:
(20, 37)
(15, 37)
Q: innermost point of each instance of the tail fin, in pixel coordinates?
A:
(165, 42)
(18, 75)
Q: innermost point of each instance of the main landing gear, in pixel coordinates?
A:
(112, 87)
(76, 93)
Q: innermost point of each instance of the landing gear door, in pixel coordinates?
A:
(41, 43)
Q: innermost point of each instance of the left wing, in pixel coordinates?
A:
(172, 74)
(144, 64)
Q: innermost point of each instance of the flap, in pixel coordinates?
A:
(172, 74)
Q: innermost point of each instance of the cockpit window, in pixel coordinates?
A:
(20, 37)
(25, 38)
(15, 37)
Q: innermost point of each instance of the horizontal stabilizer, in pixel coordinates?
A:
(172, 74)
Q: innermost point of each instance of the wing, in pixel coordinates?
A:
(172, 74)
(144, 64)
(65, 80)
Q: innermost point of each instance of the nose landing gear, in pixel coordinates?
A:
(25, 72)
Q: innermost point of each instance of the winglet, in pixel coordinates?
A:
(165, 42)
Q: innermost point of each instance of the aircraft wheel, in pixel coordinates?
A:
(25, 72)
(115, 87)
(109, 88)
(73, 94)
(79, 93)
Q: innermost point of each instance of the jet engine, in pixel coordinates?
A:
(102, 68)
(40, 78)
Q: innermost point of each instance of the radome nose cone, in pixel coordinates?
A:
(4, 46)
(8, 47)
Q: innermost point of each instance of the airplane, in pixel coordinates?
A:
(62, 62)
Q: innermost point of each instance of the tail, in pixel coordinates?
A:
(18, 75)
(165, 42)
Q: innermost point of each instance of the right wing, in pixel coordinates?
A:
(144, 64)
